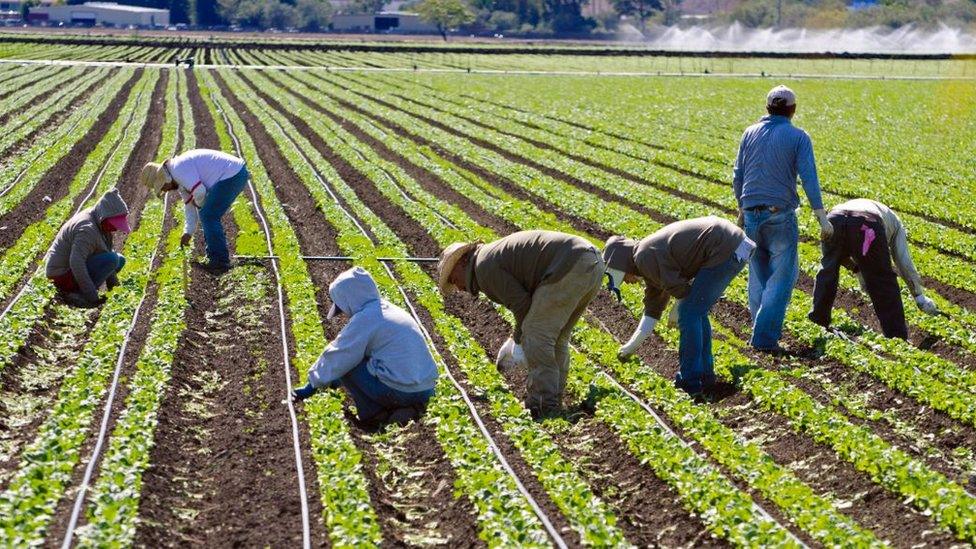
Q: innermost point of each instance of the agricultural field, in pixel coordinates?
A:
(160, 419)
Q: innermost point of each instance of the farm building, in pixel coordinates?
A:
(387, 21)
(101, 13)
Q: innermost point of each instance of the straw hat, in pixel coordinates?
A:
(154, 176)
(449, 259)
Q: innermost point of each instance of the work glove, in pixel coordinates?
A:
(185, 239)
(673, 316)
(926, 304)
(300, 394)
(644, 329)
(510, 355)
(826, 229)
(740, 220)
(111, 282)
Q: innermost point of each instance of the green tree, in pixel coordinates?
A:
(444, 14)
(313, 15)
(639, 9)
(206, 13)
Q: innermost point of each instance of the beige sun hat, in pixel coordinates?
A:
(154, 176)
(449, 258)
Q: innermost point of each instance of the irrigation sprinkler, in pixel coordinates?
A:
(342, 258)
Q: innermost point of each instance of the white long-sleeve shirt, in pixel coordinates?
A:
(196, 172)
(897, 239)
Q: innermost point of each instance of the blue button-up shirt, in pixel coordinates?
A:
(772, 153)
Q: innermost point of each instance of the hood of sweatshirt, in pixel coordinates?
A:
(109, 205)
(352, 290)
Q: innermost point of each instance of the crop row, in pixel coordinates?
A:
(47, 465)
(609, 215)
(936, 387)
(100, 169)
(675, 469)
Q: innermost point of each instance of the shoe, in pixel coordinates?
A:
(778, 350)
(216, 268)
(403, 416)
(544, 412)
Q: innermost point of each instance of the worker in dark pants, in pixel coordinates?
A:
(866, 234)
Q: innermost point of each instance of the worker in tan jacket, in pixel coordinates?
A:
(867, 235)
(81, 258)
(546, 279)
(692, 260)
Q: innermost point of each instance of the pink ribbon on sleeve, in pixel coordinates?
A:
(869, 236)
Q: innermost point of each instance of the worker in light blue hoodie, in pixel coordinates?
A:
(380, 357)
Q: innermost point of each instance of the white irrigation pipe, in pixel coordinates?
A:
(303, 493)
(514, 72)
(107, 413)
(81, 204)
(540, 513)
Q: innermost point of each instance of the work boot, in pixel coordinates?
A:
(216, 268)
(403, 416)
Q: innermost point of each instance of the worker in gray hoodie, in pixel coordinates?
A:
(81, 258)
(380, 356)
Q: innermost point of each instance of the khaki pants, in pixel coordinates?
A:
(548, 326)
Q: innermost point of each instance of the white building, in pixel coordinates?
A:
(101, 13)
(386, 21)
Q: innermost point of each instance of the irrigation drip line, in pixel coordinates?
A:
(107, 414)
(343, 258)
(303, 493)
(512, 72)
(539, 512)
(91, 191)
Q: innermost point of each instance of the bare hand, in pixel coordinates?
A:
(185, 239)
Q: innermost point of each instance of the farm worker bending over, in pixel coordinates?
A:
(866, 236)
(81, 258)
(380, 356)
(208, 182)
(771, 154)
(694, 261)
(546, 279)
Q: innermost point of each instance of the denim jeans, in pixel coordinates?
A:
(773, 271)
(372, 396)
(695, 348)
(220, 197)
(101, 267)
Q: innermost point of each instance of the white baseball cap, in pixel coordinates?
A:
(780, 96)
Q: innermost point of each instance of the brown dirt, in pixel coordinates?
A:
(456, 521)
(816, 465)
(135, 196)
(54, 183)
(5, 117)
(421, 243)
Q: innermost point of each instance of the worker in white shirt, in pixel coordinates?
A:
(208, 182)
(867, 234)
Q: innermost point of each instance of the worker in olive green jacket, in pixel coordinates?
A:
(546, 279)
(692, 260)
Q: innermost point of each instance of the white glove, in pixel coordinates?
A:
(673, 316)
(926, 305)
(826, 229)
(643, 330)
(518, 356)
(506, 355)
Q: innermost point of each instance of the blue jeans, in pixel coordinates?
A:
(697, 367)
(103, 266)
(773, 271)
(220, 197)
(372, 396)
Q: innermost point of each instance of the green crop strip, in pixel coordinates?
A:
(449, 327)
(748, 462)
(505, 515)
(25, 313)
(610, 218)
(350, 519)
(47, 465)
(114, 501)
(900, 372)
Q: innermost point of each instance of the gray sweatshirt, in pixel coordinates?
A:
(82, 237)
(380, 333)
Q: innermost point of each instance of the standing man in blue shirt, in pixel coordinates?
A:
(772, 153)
